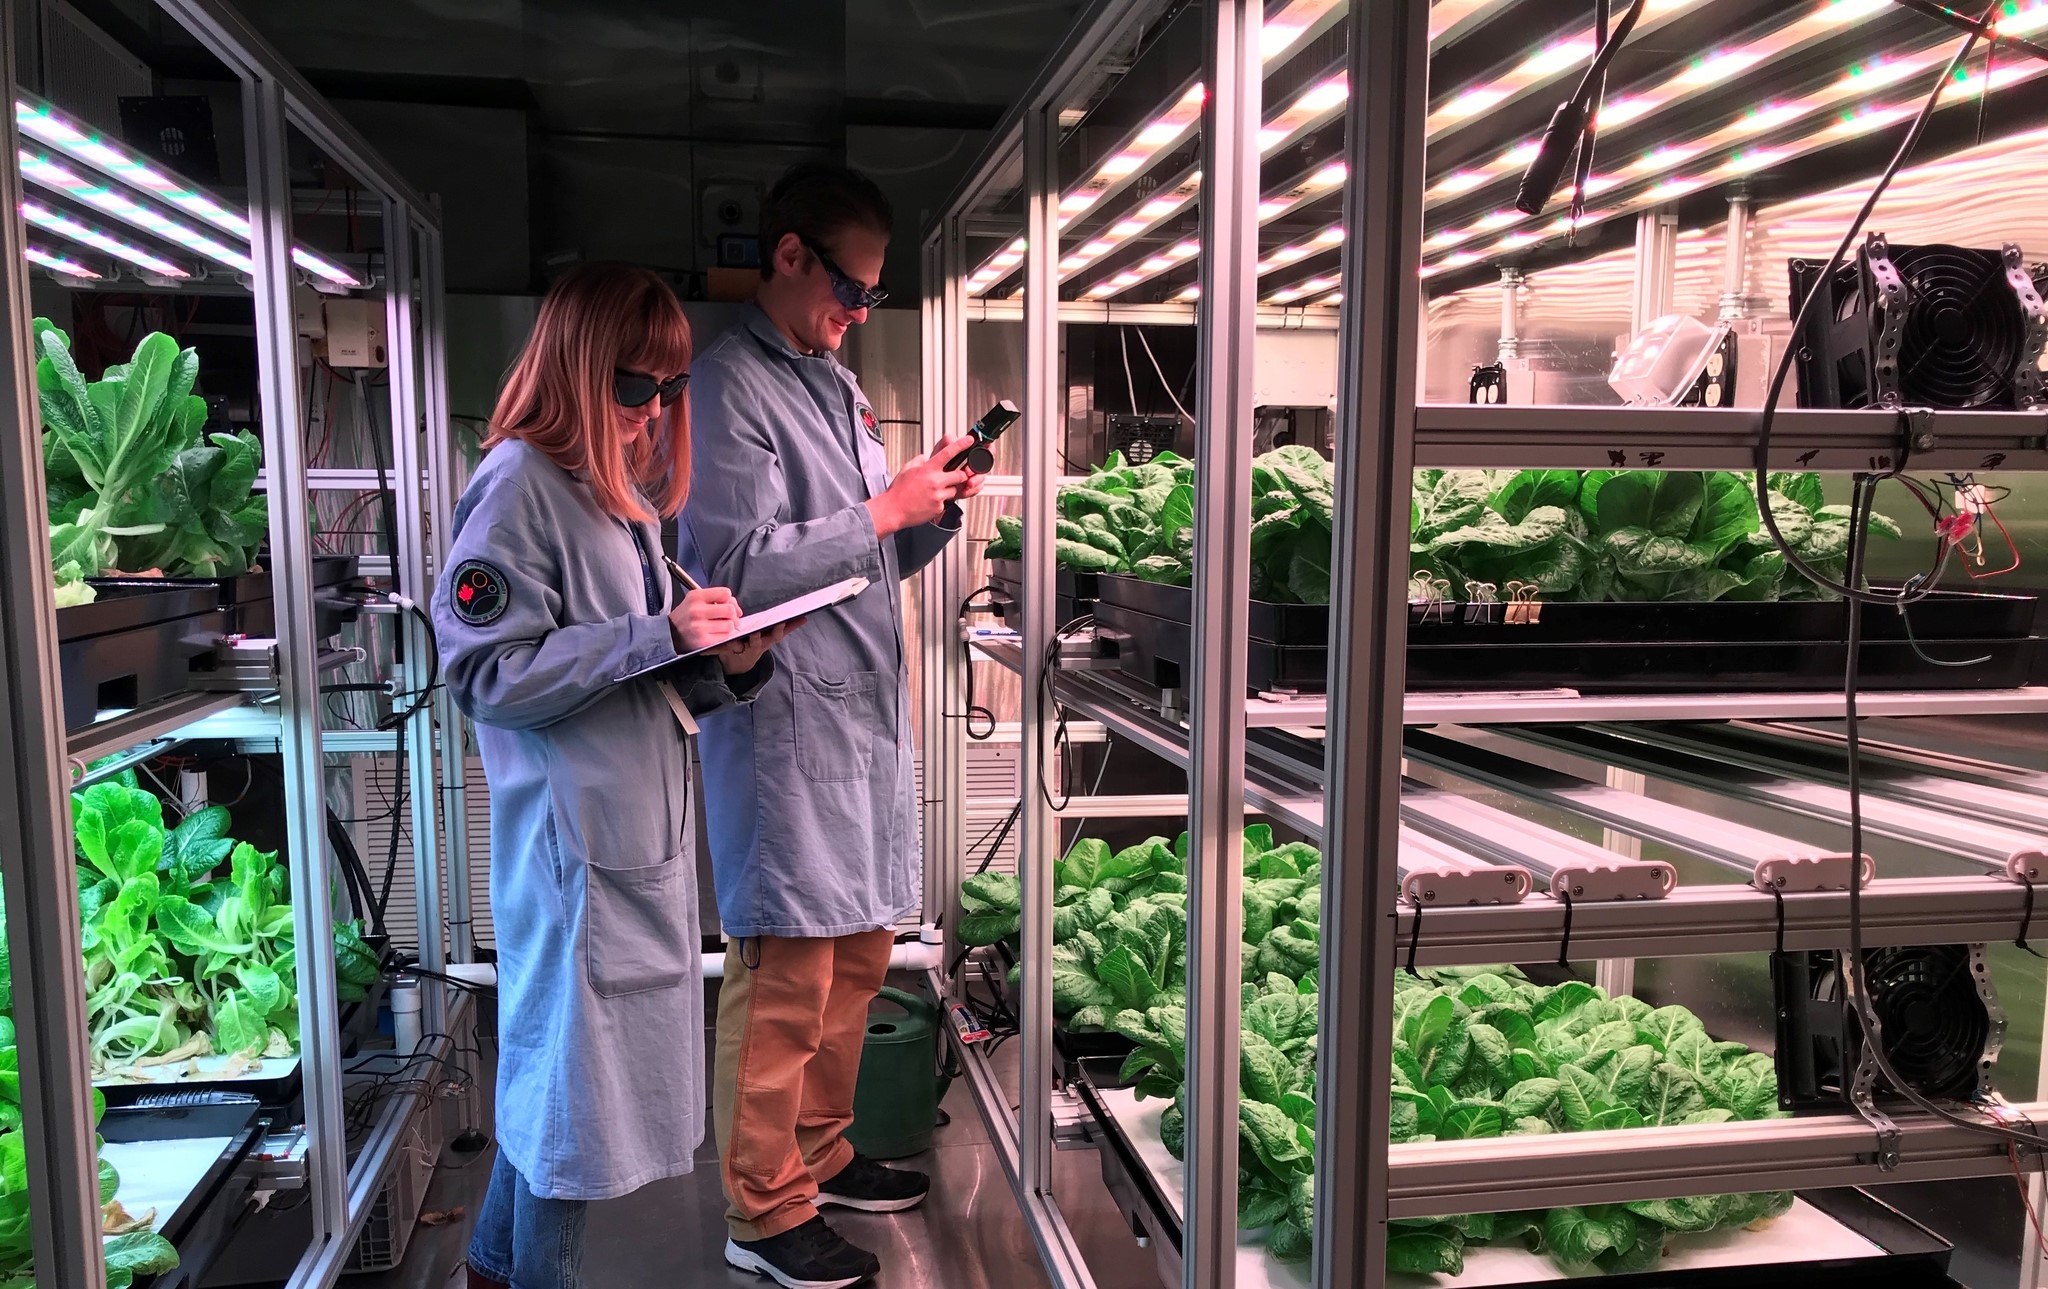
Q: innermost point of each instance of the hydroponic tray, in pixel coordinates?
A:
(1829, 1240)
(1636, 649)
(1282, 624)
(136, 643)
(251, 605)
(177, 1160)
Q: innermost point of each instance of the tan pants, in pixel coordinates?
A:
(792, 1018)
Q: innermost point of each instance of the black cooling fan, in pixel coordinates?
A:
(1922, 326)
(1940, 1024)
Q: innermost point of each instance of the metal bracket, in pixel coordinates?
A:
(1794, 874)
(1491, 884)
(1651, 880)
(2027, 866)
(1888, 306)
(1863, 1087)
(2027, 391)
(1994, 1035)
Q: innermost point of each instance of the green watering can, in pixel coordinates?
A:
(896, 1100)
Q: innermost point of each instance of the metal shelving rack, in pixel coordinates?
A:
(42, 762)
(1351, 798)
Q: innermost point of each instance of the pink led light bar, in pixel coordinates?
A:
(46, 125)
(58, 264)
(49, 174)
(1848, 124)
(63, 225)
(1820, 22)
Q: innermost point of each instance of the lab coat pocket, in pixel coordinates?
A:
(835, 726)
(638, 933)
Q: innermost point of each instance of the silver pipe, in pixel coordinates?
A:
(1510, 313)
(42, 927)
(1216, 681)
(442, 463)
(291, 548)
(1735, 264)
(401, 344)
(1045, 424)
(1379, 354)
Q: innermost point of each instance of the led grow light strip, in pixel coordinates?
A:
(1822, 22)
(58, 263)
(63, 225)
(1278, 34)
(1302, 290)
(1849, 124)
(1324, 180)
(1552, 60)
(42, 170)
(45, 125)
(1863, 78)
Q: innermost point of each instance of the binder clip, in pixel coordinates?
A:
(1482, 603)
(1524, 609)
(1429, 598)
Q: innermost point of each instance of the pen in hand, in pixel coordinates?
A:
(677, 569)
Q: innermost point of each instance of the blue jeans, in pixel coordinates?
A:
(524, 1241)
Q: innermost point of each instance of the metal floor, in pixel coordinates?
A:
(671, 1235)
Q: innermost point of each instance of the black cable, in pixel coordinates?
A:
(391, 850)
(1584, 170)
(1048, 698)
(1567, 128)
(345, 855)
(1855, 992)
(1821, 282)
(974, 711)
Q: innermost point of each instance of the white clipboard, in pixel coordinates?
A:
(789, 610)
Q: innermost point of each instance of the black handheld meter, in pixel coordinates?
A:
(978, 459)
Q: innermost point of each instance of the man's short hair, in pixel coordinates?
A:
(818, 201)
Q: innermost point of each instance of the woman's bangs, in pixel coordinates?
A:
(665, 345)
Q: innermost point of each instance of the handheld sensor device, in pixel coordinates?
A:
(978, 459)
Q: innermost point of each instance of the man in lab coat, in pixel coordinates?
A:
(810, 802)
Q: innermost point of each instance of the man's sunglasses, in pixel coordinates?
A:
(849, 293)
(633, 389)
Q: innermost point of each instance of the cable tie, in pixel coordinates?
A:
(1564, 946)
(2027, 920)
(1414, 941)
(1779, 897)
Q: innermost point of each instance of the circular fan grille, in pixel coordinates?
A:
(1935, 1024)
(1964, 331)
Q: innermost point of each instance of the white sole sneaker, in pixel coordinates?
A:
(828, 1200)
(742, 1260)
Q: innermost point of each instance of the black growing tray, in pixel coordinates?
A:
(251, 605)
(1611, 648)
(193, 1115)
(1157, 652)
(1297, 625)
(1074, 594)
(135, 644)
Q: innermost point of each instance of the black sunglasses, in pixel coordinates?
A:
(634, 389)
(849, 293)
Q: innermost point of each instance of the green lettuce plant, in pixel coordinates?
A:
(182, 959)
(132, 1249)
(1479, 1052)
(1601, 535)
(131, 481)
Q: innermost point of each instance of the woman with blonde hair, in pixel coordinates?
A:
(562, 639)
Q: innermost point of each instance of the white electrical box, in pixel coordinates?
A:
(355, 333)
(308, 317)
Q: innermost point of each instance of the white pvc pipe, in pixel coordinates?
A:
(917, 955)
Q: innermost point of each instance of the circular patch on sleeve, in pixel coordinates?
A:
(481, 595)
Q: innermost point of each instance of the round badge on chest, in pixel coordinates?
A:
(868, 421)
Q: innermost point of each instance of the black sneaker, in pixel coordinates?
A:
(813, 1256)
(865, 1185)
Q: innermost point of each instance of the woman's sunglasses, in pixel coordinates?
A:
(634, 389)
(849, 293)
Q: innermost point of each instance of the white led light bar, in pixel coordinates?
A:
(1549, 62)
(58, 264)
(1847, 124)
(46, 125)
(49, 174)
(63, 225)
(1819, 23)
